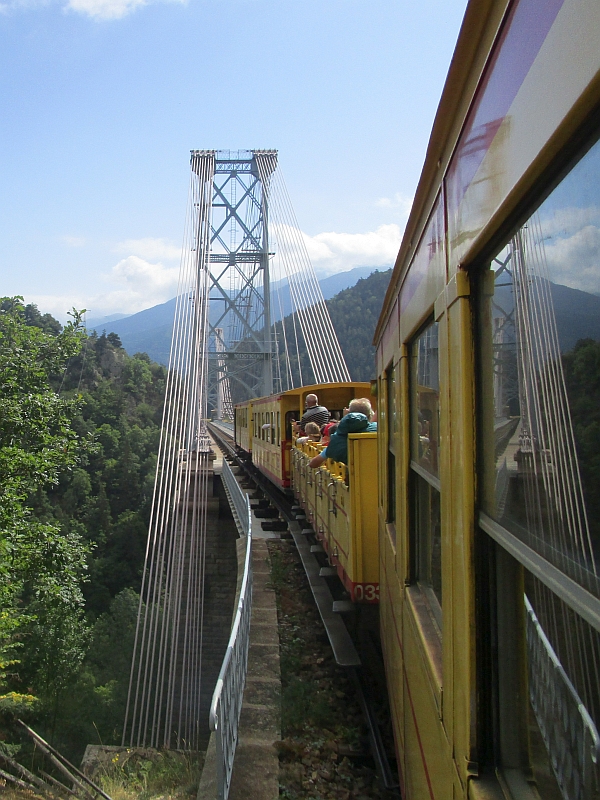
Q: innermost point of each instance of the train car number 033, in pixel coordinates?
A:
(366, 591)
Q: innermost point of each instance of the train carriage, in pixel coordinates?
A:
(242, 426)
(270, 419)
(488, 363)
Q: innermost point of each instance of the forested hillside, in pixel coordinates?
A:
(354, 314)
(79, 433)
(79, 429)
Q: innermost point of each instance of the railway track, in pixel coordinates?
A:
(346, 652)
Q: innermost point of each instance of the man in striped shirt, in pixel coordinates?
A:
(314, 413)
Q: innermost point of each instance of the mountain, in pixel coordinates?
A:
(577, 313)
(354, 313)
(149, 331)
(96, 324)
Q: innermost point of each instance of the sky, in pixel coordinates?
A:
(102, 100)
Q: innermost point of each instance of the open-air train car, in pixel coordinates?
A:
(263, 426)
(340, 502)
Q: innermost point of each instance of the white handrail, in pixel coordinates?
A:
(567, 729)
(238, 500)
(226, 706)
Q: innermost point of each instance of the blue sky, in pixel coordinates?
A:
(102, 100)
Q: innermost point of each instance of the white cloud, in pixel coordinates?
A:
(575, 260)
(398, 201)
(571, 237)
(57, 305)
(105, 9)
(96, 9)
(140, 283)
(562, 222)
(332, 252)
(134, 284)
(150, 248)
(148, 274)
(73, 241)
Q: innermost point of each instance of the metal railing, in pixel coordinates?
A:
(226, 706)
(240, 504)
(568, 731)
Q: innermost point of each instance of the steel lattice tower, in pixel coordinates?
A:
(241, 346)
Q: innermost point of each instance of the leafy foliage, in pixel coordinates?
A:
(582, 376)
(79, 431)
(40, 569)
(354, 314)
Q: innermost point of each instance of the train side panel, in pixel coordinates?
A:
(243, 426)
(519, 108)
(266, 441)
(340, 503)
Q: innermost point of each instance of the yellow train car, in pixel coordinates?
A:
(340, 502)
(487, 352)
(242, 426)
(272, 418)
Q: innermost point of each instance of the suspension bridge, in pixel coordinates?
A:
(250, 320)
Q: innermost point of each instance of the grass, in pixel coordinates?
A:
(151, 774)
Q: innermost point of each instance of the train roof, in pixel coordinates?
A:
(480, 26)
(314, 388)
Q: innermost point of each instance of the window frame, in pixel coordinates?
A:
(427, 598)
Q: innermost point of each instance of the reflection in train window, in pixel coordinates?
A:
(540, 402)
(426, 406)
(543, 390)
(425, 428)
(428, 545)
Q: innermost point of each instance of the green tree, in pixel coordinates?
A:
(40, 567)
(582, 376)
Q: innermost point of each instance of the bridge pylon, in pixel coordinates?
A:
(241, 346)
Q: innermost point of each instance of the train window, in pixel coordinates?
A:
(426, 407)
(542, 378)
(278, 428)
(539, 326)
(272, 427)
(391, 421)
(290, 417)
(426, 520)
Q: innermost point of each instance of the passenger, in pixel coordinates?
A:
(331, 426)
(314, 413)
(313, 434)
(356, 420)
(328, 431)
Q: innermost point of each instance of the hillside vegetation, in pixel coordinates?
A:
(79, 432)
(79, 428)
(354, 313)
